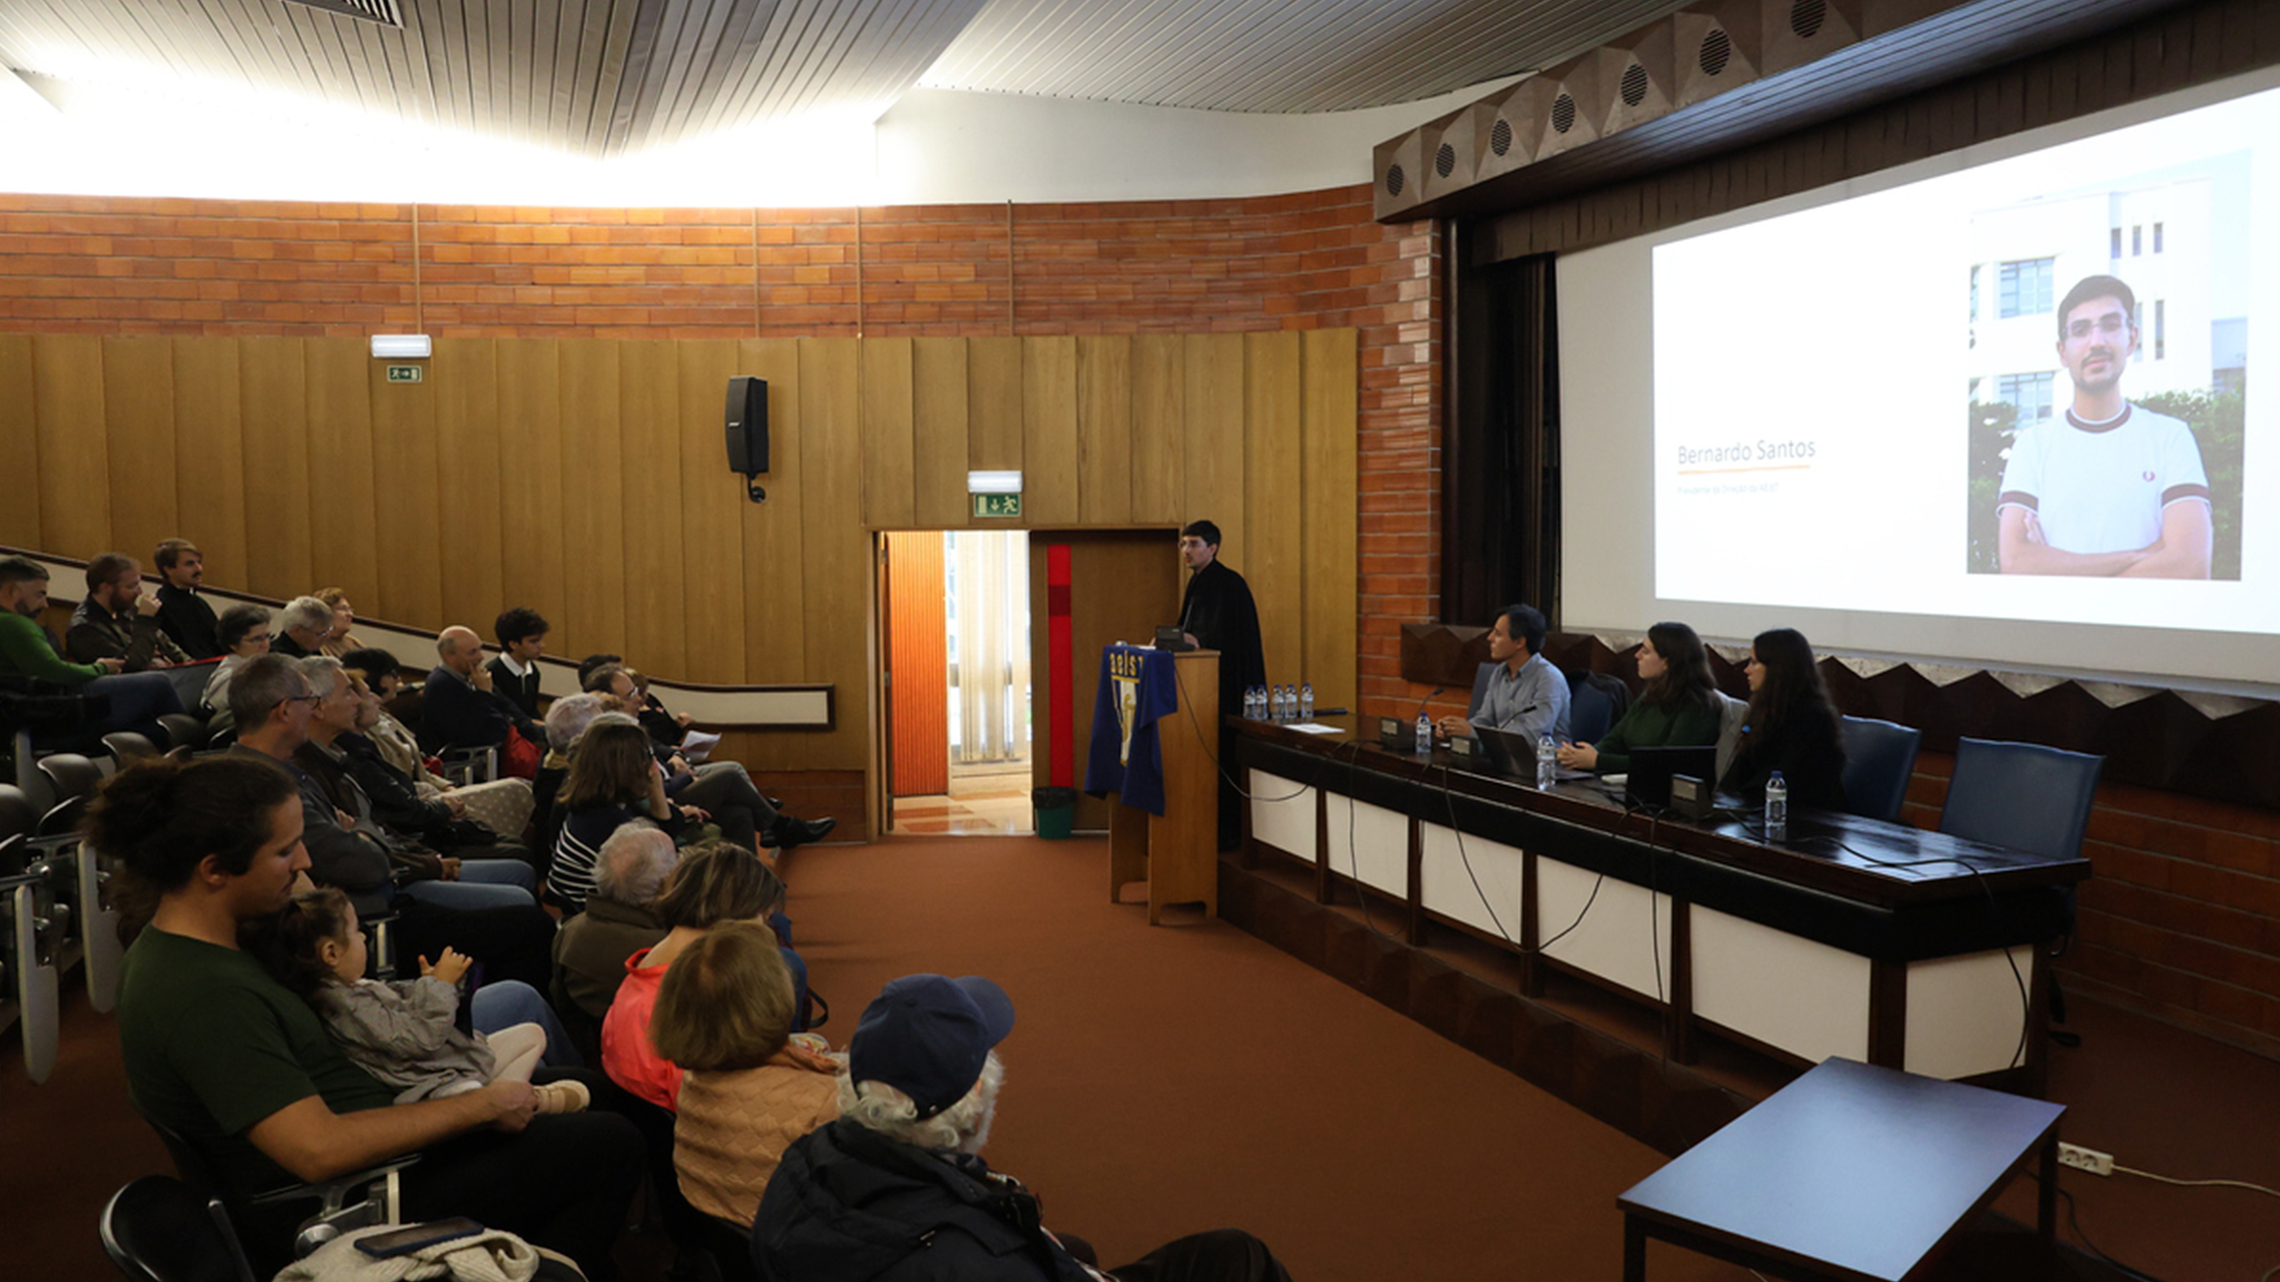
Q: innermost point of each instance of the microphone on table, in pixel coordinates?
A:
(1422, 702)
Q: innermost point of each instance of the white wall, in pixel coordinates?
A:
(934, 146)
(943, 146)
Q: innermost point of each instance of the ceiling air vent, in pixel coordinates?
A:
(1806, 17)
(1634, 85)
(1395, 180)
(1500, 136)
(1717, 48)
(388, 13)
(1563, 113)
(1445, 160)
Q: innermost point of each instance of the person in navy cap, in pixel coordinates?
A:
(896, 1189)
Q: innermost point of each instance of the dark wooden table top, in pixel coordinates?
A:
(1856, 1171)
(1862, 858)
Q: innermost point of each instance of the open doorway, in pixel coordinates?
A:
(958, 682)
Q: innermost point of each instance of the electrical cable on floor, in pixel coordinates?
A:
(2120, 1169)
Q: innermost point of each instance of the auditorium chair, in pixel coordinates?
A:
(71, 775)
(1480, 688)
(158, 1229)
(357, 1200)
(30, 993)
(2027, 797)
(2021, 795)
(127, 747)
(1879, 758)
(184, 731)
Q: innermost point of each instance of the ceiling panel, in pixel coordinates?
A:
(598, 77)
(608, 77)
(1271, 55)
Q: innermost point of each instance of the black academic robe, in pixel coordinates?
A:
(1219, 612)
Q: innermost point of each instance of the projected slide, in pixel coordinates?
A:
(2018, 391)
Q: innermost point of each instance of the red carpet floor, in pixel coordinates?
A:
(1163, 1081)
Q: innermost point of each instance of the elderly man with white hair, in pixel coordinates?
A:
(896, 1189)
(301, 628)
(591, 948)
(459, 709)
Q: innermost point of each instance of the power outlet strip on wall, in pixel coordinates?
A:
(2085, 1159)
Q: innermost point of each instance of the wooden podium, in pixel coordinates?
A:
(1177, 852)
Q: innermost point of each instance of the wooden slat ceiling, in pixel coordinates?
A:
(607, 77)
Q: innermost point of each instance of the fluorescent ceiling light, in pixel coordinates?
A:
(993, 482)
(402, 347)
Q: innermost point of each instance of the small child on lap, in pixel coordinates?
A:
(404, 1033)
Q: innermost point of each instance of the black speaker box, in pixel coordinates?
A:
(748, 425)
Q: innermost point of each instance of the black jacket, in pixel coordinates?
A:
(1806, 748)
(849, 1205)
(187, 618)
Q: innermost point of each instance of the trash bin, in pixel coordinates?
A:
(1056, 810)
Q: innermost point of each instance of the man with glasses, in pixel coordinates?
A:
(2114, 489)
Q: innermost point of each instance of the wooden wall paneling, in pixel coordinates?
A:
(941, 443)
(19, 442)
(657, 569)
(712, 530)
(473, 578)
(74, 446)
(1049, 432)
(775, 575)
(1158, 430)
(593, 500)
(993, 404)
(344, 493)
(209, 456)
(408, 512)
(273, 380)
(1329, 418)
(1104, 430)
(138, 414)
(534, 552)
(1211, 452)
(836, 608)
(888, 458)
(1271, 557)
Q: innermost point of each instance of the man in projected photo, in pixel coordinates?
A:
(2115, 489)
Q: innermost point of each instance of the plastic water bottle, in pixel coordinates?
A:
(1424, 732)
(1258, 703)
(1306, 702)
(1547, 761)
(1776, 808)
(1275, 704)
(1251, 703)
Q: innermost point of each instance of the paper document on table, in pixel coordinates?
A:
(696, 745)
(1315, 727)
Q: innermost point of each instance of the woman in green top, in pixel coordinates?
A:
(1679, 707)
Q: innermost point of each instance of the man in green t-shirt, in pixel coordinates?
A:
(222, 1053)
(138, 699)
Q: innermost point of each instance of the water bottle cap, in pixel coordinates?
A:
(1776, 778)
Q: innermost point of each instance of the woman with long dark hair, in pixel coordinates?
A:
(1678, 708)
(1790, 726)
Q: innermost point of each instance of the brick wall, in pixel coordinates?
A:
(1309, 260)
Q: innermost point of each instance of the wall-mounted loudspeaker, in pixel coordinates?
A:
(748, 431)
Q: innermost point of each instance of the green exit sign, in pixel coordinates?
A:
(997, 505)
(403, 373)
